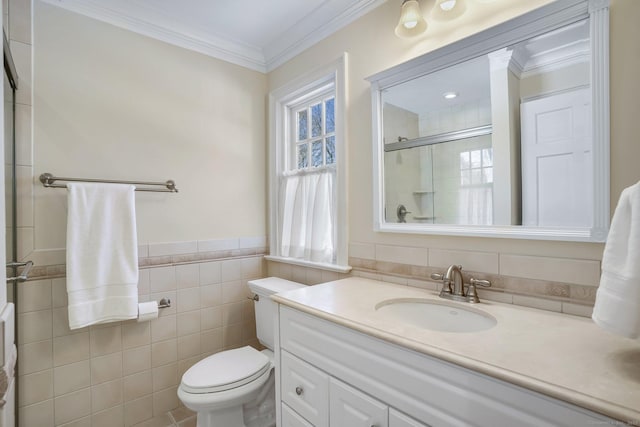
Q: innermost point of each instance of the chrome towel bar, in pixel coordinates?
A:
(48, 180)
(25, 273)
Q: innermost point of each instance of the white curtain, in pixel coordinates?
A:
(475, 205)
(307, 216)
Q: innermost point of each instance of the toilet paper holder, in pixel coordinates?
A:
(164, 303)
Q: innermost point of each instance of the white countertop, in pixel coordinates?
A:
(559, 355)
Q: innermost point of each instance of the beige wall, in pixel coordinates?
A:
(373, 47)
(109, 103)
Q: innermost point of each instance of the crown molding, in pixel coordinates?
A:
(217, 47)
(307, 32)
(324, 21)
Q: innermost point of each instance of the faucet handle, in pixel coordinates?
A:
(472, 295)
(480, 282)
(437, 276)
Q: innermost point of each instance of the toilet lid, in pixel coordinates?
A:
(225, 370)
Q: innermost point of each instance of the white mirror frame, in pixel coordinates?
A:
(544, 19)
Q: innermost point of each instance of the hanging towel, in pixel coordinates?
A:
(617, 307)
(102, 254)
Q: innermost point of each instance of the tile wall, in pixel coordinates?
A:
(17, 26)
(127, 373)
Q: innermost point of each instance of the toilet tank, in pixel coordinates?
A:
(266, 308)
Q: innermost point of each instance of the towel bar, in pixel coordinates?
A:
(48, 180)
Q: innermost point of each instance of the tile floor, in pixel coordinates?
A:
(181, 417)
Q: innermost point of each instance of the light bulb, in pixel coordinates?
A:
(447, 5)
(411, 22)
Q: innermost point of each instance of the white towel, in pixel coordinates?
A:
(102, 254)
(617, 307)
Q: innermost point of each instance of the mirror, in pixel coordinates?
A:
(505, 142)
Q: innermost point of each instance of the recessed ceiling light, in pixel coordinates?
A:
(450, 95)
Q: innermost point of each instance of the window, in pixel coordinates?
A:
(307, 175)
(476, 167)
(315, 130)
(475, 197)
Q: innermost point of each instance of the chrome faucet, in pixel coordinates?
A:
(454, 276)
(454, 273)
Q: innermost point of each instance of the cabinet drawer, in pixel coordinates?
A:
(349, 407)
(398, 419)
(305, 389)
(291, 419)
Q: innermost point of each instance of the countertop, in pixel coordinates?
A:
(559, 355)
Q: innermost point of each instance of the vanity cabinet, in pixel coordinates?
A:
(333, 376)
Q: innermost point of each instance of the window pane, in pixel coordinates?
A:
(302, 125)
(475, 158)
(487, 175)
(487, 157)
(476, 176)
(330, 115)
(316, 120)
(464, 160)
(331, 150)
(465, 177)
(303, 158)
(316, 153)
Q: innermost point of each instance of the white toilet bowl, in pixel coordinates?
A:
(236, 388)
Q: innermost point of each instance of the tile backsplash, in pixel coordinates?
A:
(555, 284)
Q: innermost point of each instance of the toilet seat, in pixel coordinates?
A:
(225, 370)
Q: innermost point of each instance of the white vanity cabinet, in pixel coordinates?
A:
(333, 376)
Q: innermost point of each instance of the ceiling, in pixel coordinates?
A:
(257, 34)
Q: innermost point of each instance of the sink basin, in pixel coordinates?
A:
(436, 315)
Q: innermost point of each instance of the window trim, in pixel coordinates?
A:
(280, 100)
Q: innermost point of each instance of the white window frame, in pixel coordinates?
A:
(280, 140)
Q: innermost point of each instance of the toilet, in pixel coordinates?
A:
(236, 388)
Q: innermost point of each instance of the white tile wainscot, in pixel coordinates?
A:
(534, 368)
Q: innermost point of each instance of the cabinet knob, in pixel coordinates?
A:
(299, 391)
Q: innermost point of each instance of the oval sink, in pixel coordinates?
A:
(436, 315)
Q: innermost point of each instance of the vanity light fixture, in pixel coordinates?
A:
(450, 95)
(411, 22)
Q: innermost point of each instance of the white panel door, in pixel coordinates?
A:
(398, 419)
(349, 407)
(557, 171)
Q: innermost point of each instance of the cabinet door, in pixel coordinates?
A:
(398, 419)
(291, 419)
(349, 407)
(305, 389)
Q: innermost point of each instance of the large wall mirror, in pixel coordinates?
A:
(503, 134)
